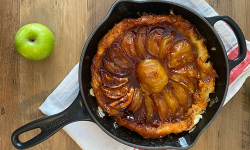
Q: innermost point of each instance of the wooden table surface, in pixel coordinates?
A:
(25, 84)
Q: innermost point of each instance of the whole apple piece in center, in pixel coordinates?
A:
(151, 75)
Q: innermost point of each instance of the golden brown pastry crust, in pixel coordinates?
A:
(206, 75)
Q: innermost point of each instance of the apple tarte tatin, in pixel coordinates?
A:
(150, 74)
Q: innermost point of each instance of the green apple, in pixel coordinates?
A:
(34, 41)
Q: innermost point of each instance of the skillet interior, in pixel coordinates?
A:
(128, 9)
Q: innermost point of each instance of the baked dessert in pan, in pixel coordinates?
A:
(152, 76)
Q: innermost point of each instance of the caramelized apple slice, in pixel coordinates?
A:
(162, 107)
(205, 69)
(124, 101)
(112, 81)
(115, 93)
(149, 106)
(180, 93)
(165, 44)
(153, 43)
(137, 101)
(181, 59)
(114, 112)
(112, 68)
(128, 45)
(140, 41)
(189, 71)
(180, 47)
(184, 81)
(118, 59)
(171, 100)
(151, 75)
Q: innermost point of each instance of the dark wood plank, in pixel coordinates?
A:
(9, 72)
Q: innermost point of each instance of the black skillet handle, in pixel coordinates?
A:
(51, 124)
(239, 36)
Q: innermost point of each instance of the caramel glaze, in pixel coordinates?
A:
(138, 117)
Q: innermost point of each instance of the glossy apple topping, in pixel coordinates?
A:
(151, 74)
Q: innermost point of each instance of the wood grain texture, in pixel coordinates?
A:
(24, 84)
(9, 72)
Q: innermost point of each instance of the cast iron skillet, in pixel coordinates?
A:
(84, 107)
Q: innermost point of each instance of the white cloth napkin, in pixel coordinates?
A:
(89, 136)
